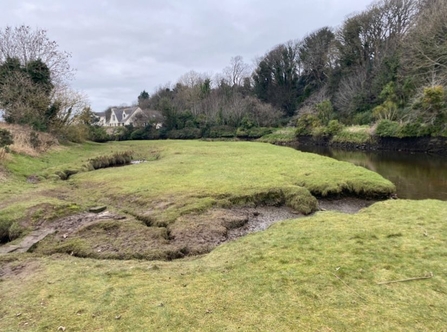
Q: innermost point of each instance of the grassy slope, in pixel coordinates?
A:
(314, 274)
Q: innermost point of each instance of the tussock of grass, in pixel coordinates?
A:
(353, 134)
(317, 273)
(117, 159)
(282, 135)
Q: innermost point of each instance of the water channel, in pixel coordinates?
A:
(416, 175)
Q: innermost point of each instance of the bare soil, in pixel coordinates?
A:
(108, 235)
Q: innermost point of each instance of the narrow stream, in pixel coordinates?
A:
(416, 175)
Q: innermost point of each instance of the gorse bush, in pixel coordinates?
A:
(306, 124)
(325, 111)
(387, 128)
(5, 138)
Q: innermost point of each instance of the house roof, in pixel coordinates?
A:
(119, 111)
(152, 115)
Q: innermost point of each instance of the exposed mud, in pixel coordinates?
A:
(108, 235)
(261, 218)
(18, 269)
(346, 205)
(62, 228)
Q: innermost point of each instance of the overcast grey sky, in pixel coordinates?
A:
(121, 47)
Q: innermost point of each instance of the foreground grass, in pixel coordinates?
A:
(320, 273)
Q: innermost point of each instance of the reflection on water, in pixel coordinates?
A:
(416, 176)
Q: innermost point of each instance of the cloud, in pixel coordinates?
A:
(120, 48)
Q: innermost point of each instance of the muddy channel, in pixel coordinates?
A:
(261, 218)
(204, 232)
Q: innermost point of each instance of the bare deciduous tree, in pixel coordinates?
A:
(351, 87)
(426, 44)
(236, 72)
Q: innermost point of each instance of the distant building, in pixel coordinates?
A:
(124, 116)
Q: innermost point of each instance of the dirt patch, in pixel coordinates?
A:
(65, 227)
(261, 218)
(346, 205)
(62, 228)
(18, 269)
(110, 236)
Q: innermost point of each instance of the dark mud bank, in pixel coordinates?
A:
(106, 235)
(436, 145)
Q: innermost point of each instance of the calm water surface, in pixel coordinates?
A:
(416, 176)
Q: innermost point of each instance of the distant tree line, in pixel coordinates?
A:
(386, 63)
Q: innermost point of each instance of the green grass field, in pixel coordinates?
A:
(319, 273)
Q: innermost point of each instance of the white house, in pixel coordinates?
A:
(124, 116)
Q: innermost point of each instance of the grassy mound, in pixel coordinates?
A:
(320, 273)
(179, 181)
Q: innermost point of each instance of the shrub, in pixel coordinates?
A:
(325, 111)
(98, 134)
(185, 133)
(387, 128)
(363, 118)
(222, 131)
(388, 111)
(352, 135)
(34, 140)
(413, 129)
(139, 134)
(5, 138)
(121, 133)
(76, 133)
(334, 127)
(254, 132)
(306, 123)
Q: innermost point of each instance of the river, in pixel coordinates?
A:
(416, 175)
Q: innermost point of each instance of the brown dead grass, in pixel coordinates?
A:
(3, 175)
(22, 144)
